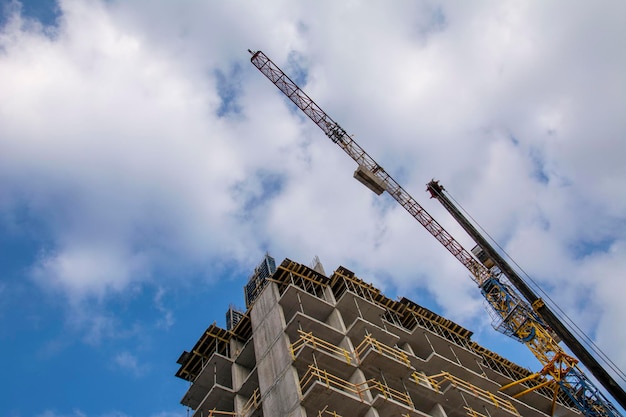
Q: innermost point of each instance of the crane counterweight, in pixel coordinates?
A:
(368, 179)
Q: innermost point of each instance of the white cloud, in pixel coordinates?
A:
(167, 414)
(167, 320)
(75, 413)
(109, 133)
(79, 413)
(129, 363)
(85, 268)
(111, 140)
(115, 414)
(97, 323)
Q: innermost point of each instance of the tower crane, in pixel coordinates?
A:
(516, 316)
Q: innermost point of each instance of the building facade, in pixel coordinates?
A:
(312, 345)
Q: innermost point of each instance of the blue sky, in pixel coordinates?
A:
(146, 167)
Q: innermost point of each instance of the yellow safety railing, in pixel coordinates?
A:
(473, 413)
(314, 374)
(421, 379)
(435, 381)
(252, 404)
(307, 339)
(215, 413)
(375, 387)
(389, 393)
(326, 411)
(370, 343)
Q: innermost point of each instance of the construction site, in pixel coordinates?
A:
(309, 344)
(312, 345)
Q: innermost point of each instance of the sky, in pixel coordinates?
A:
(146, 167)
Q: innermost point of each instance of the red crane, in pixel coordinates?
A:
(517, 317)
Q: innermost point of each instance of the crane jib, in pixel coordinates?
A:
(515, 316)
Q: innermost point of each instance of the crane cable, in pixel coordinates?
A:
(578, 330)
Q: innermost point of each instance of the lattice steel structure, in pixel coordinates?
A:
(516, 316)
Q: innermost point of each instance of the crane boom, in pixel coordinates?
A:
(369, 172)
(437, 191)
(516, 318)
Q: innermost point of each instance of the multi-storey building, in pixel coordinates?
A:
(312, 345)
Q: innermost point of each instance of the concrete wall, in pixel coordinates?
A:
(278, 380)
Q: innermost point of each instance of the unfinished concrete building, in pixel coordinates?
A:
(312, 345)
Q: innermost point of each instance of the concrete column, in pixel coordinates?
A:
(240, 373)
(335, 321)
(408, 349)
(329, 296)
(438, 411)
(278, 379)
(372, 413)
(240, 401)
(358, 378)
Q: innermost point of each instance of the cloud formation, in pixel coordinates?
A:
(139, 139)
(129, 363)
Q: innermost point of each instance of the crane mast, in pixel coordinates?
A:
(515, 317)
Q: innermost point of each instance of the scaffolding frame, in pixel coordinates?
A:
(518, 374)
(374, 386)
(436, 382)
(213, 340)
(370, 343)
(253, 403)
(404, 313)
(301, 276)
(307, 339)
